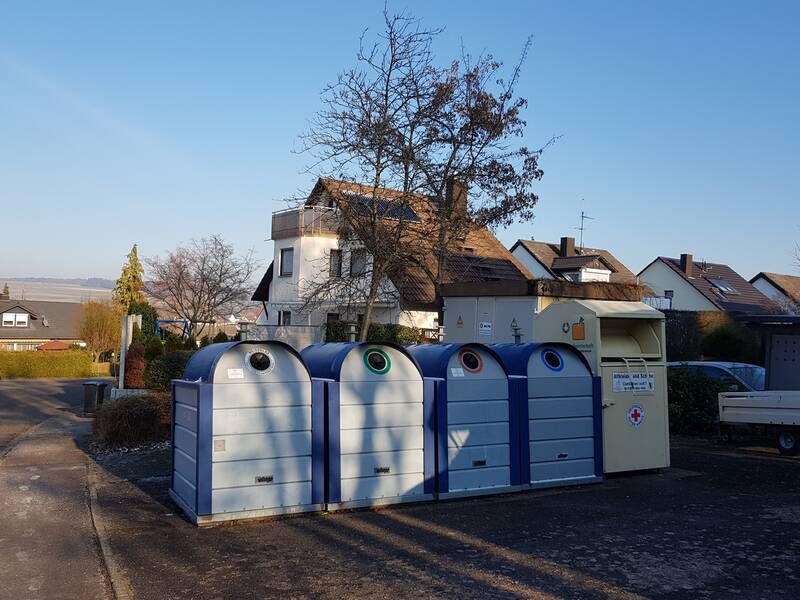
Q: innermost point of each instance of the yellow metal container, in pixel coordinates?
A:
(625, 345)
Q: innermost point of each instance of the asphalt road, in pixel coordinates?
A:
(48, 548)
(717, 525)
(25, 403)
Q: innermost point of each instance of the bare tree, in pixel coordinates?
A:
(201, 281)
(367, 131)
(398, 121)
(470, 147)
(100, 327)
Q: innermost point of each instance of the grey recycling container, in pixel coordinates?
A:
(247, 439)
(93, 394)
(477, 434)
(560, 413)
(378, 444)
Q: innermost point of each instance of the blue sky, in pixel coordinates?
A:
(156, 122)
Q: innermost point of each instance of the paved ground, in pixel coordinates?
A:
(720, 524)
(47, 544)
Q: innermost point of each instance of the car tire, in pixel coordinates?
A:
(788, 441)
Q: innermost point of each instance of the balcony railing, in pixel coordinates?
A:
(308, 220)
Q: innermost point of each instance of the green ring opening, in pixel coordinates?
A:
(386, 360)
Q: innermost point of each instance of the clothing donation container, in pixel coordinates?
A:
(625, 344)
(477, 434)
(247, 440)
(376, 444)
(560, 413)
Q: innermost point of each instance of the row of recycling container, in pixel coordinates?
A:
(260, 429)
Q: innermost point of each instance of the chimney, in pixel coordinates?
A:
(567, 246)
(687, 264)
(456, 195)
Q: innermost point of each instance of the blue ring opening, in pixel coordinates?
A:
(550, 351)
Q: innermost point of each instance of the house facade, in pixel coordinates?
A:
(783, 290)
(30, 324)
(308, 253)
(496, 311)
(700, 286)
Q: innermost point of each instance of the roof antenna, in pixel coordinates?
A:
(582, 228)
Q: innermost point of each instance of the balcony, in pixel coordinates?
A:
(304, 221)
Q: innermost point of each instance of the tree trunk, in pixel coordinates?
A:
(374, 287)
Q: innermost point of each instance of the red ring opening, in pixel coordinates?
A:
(472, 357)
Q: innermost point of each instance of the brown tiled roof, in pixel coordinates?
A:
(788, 284)
(548, 254)
(478, 257)
(747, 299)
(574, 263)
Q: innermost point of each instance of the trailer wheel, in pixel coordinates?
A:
(788, 442)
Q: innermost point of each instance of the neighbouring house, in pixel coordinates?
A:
(30, 324)
(783, 290)
(701, 286)
(308, 249)
(495, 311)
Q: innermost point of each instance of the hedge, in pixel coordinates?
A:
(162, 369)
(134, 366)
(693, 402)
(337, 331)
(133, 420)
(40, 363)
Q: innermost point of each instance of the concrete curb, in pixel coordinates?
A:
(119, 580)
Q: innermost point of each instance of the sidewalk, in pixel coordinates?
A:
(48, 546)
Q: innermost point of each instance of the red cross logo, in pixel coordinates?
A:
(635, 415)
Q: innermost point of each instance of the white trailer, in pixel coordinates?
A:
(772, 411)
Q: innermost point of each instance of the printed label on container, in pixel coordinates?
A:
(457, 371)
(235, 373)
(485, 328)
(637, 381)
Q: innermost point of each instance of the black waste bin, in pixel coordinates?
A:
(93, 393)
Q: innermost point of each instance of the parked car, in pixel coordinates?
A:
(740, 377)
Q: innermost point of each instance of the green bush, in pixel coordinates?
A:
(38, 363)
(153, 348)
(190, 343)
(133, 420)
(173, 343)
(161, 370)
(220, 338)
(730, 342)
(693, 403)
(337, 331)
(205, 341)
(134, 366)
(149, 316)
(136, 334)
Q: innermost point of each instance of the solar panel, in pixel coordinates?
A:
(384, 207)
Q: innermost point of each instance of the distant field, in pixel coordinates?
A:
(55, 292)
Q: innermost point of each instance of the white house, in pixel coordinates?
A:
(702, 286)
(784, 290)
(308, 253)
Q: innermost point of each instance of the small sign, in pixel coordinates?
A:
(457, 372)
(485, 328)
(235, 373)
(637, 381)
(460, 322)
(635, 415)
(219, 445)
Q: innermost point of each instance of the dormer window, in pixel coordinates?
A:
(15, 319)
